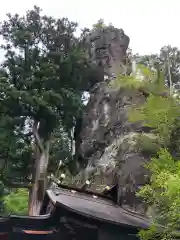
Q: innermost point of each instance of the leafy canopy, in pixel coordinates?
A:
(41, 80)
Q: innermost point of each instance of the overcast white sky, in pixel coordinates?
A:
(150, 24)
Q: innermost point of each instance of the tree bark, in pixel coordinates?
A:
(39, 175)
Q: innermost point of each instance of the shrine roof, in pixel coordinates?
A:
(96, 206)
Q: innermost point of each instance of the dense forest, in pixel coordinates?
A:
(43, 77)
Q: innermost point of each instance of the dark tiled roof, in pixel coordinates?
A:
(96, 207)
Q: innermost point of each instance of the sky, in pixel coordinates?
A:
(150, 24)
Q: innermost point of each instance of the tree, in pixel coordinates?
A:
(169, 60)
(41, 88)
(100, 24)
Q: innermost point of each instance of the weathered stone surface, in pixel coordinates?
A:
(108, 47)
(106, 145)
(108, 141)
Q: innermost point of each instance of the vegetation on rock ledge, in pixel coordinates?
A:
(160, 113)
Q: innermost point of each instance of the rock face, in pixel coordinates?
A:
(107, 48)
(107, 139)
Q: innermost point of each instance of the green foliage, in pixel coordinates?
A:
(41, 80)
(163, 193)
(149, 234)
(143, 79)
(16, 202)
(161, 60)
(45, 77)
(148, 144)
(158, 113)
(100, 24)
(127, 82)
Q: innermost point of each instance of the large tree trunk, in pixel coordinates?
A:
(39, 175)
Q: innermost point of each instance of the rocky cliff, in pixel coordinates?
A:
(106, 147)
(108, 142)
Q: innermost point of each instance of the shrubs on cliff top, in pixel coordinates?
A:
(158, 113)
(148, 81)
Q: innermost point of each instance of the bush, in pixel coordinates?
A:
(16, 202)
(158, 113)
(163, 194)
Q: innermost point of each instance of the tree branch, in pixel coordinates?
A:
(36, 135)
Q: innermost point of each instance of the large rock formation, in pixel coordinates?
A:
(107, 140)
(107, 48)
